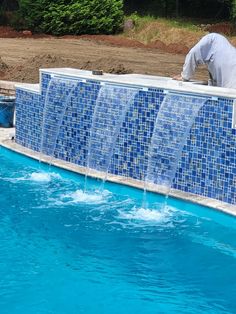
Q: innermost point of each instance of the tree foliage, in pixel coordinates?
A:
(212, 9)
(60, 17)
(233, 11)
(104, 16)
(8, 5)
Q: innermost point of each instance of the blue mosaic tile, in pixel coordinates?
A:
(208, 162)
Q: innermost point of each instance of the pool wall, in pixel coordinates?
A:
(207, 166)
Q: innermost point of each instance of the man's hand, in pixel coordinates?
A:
(177, 77)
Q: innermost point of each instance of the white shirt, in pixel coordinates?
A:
(218, 54)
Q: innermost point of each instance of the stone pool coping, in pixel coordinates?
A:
(7, 142)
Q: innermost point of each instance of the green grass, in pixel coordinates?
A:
(142, 21)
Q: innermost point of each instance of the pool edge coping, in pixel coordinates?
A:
(174, 193)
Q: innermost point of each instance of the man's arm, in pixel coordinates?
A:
(195, 57)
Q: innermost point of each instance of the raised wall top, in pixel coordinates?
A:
(137, 80)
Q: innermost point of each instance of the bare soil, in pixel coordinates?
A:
(21, 55)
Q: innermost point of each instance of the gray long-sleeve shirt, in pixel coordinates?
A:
(218, 54)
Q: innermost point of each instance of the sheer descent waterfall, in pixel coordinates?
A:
(111, 106)
(58, 95)
(173, 123)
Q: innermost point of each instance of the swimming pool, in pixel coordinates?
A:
(66, 251)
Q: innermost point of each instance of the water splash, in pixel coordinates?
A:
(143, 214)
(146, 216)
(88, 197)
(43, 176)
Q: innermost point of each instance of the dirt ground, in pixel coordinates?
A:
(22, 56)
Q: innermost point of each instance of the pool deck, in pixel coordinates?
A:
(6, 134)
(7, 140)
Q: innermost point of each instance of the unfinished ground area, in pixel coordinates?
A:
(23, 55)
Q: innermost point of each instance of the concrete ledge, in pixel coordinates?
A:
(201, 200)
(143, 81)
(6, 133)
(7, 88)
(32, 88)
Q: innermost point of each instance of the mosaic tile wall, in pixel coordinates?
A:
(28, 119)
(208, 162)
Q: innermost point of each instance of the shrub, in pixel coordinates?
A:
(32, 13)
(60, 17)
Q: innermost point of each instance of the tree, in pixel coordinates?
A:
(60, 17)
(9, 5)
(189, 8)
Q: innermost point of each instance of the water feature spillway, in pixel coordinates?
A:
(58, 95)
(174, 120)
(209, 146)
(111, 106)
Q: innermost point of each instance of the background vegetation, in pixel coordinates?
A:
(60, 17)
(213, 9)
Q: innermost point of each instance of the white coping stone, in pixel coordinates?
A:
(7, 84)
(135, 80)
(145, 81)
(34, 88)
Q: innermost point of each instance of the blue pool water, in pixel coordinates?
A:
(63, 251)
